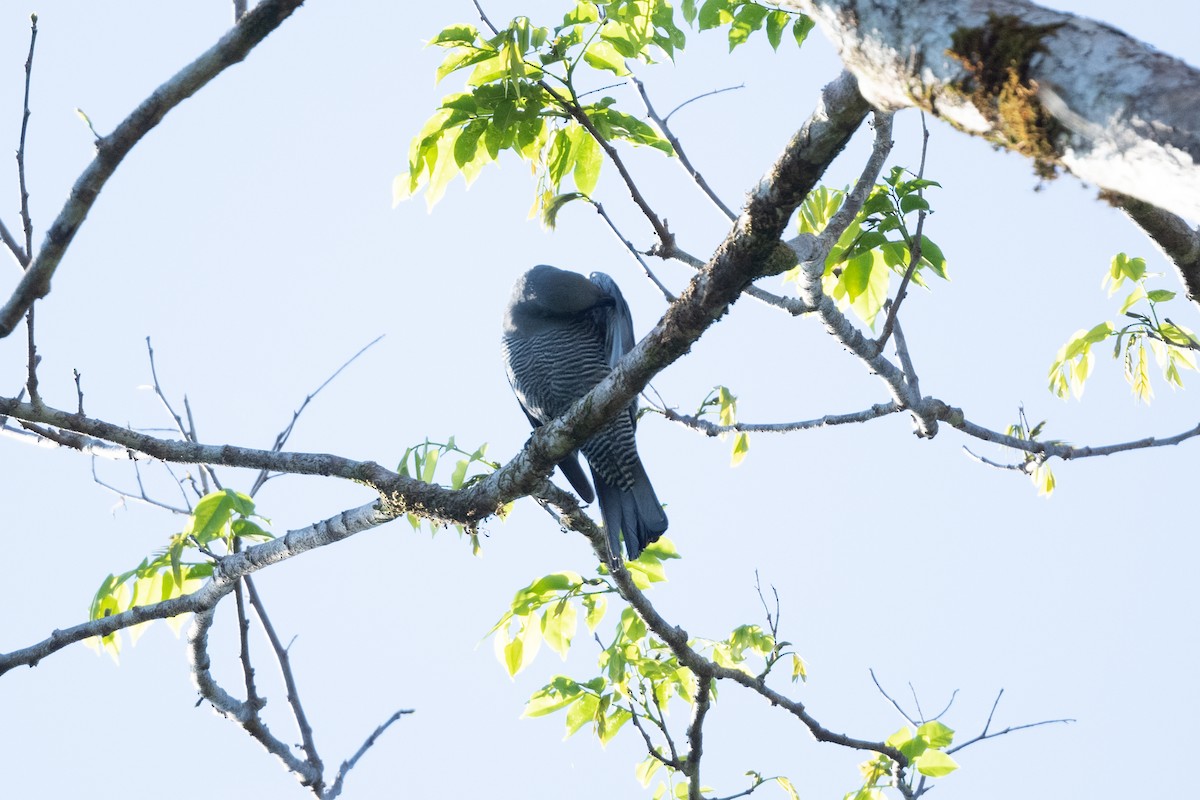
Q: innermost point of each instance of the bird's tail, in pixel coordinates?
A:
(635, 512)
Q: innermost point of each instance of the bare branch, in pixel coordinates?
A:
(695, 735)
(336, 788)
(26, 221)
(891, 699)
(684, 161)
(225, 704)
(285, 667)
(1051, 449)
(14, 247)
(141, 497)
(666, 293)
(986, 735)
(112, 149)
(286, 433)
(681, 106)
(713, 429)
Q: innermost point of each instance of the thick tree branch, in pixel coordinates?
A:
(752, 249)
(1064, 90)
(232, 48)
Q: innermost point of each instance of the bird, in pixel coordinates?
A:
(562, 334)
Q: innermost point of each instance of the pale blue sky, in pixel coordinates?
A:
(252, 237)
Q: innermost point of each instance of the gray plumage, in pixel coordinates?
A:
(563, 333)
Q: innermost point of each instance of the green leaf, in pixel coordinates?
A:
(608, 726)
(787, 786)
(1160, 295)
(581, 713)
(741, 446)
(211, 514)
(689, 13)
(801, 27)
(1137, 294)
(933, 254)
(559, 623)
(645, 769)
(456, 33)
(913, 202)
(588, 158)
(584, 12)
(776, 22)
(468, 141)
(601, 54)
(748, 19)
(936, 734)
(558, 694)
(799, 669)
(714, 13)
(463, 57)
(594, 605)
(935, 764)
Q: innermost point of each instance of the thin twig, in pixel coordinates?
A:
(14, 247)
(891, 699)
(140, 498)
(308, 743)
(701, 97)
(984, 735)
(684, 161)
(666, 293)
(253, 701)
(26, 220)
(79, 390)
(283, 436)
(32, 361)
(713, 429)
(1019, 467)
(336, 788)
(576, 112)
(906, 362)
(914, 247)
(111, 150)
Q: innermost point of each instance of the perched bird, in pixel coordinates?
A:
(563, 333)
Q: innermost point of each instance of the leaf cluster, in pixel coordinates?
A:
(525, 92)
(639, 677)
(219, 519)
(724, 402)
(421, 462)
(876, 245)
(1172, 345)
(925, 749)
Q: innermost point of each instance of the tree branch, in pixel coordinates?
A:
(336, 788)
(1140, 136)
(112, 149)
(228, 569)
(684, 161)
(1179, 241)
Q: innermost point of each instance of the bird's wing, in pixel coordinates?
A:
(617, 321)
